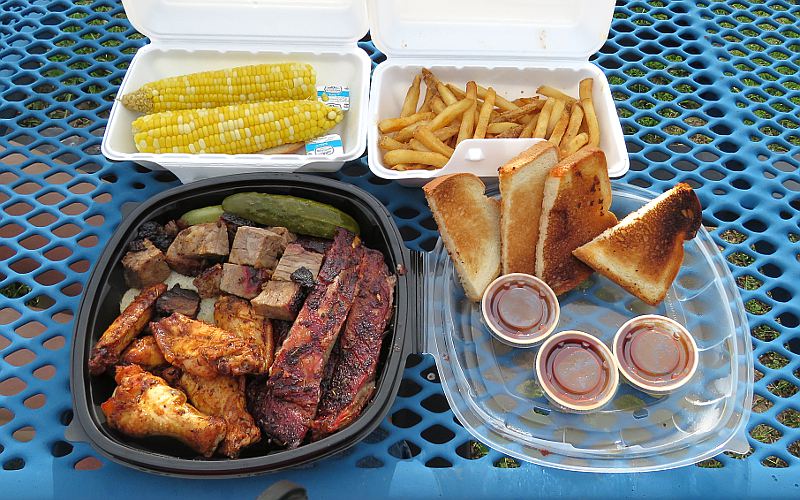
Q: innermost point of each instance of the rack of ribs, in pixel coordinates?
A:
(352, 382)
(286, 404)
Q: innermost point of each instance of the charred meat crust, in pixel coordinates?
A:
(352, 381)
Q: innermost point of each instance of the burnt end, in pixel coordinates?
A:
(234, 222)
(172, 229)
(180, 300)
(279, 300)
(314, 244)
(144, 266)
(242, 281)
(207, 282)
(156, 233)
(303, 277)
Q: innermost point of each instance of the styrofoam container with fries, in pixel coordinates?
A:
(468, 85)
(190, 36)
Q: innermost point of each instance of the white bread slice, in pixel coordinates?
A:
(469, 223)
(575, 208)
(644, 252)
(521, 190)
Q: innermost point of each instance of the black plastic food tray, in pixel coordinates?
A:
(100, 305)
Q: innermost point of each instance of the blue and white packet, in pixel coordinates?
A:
(334, 95)
(326, 145)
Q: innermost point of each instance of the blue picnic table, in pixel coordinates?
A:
(708, 93)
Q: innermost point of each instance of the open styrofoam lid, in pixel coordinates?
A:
(253, 21)
(500, 29)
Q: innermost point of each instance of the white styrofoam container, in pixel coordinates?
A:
(513, 46)
(198, 35)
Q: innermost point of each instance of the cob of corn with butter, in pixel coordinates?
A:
(235, 129)
(210, 89)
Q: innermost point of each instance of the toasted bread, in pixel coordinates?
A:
(644, 252)
(469, 223)
(575, 209)
(521, 189)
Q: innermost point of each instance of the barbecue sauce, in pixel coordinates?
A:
(520, 308)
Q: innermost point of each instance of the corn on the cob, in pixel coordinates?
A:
(210, 89)
(236, 129)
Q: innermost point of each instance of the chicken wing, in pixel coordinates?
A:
(205, 350)
(124, 329)
(144, 405)
(238, 317)
(144, 351)
(222, 396)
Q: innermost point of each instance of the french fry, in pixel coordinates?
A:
(544, 119)
(522, 101)
(446, 133)
(590, 116)
(430, 93)
(426, 137)
(574, 144)
(467, 128)
(418, 146)
(512, 133)
(574, 124)
(498, 100)
(549, 91)
(445, 94)
(449, 114)
(430, 79)
(387, 143)
(438, 105)
(395, 124)
(500, 127)
(519, 113)
(486, 112)
(407, 133)
(527, 131)
(398, 156)
(412, 166)
(460, 94)
(555, 115)
(559, 129)
(412, 98)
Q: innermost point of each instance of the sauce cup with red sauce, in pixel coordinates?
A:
(520, 310)
(655, 354)
(577, 372)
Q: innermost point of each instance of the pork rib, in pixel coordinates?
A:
(352, 382)
(285, 406)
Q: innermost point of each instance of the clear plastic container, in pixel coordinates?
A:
(510, 45)
(197, 35)
(493, 391)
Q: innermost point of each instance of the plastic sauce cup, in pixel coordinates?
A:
(577, 372)
(655, 354)
(520, 309)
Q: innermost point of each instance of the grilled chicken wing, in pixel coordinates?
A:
(124, 329)
(205, 350)
(238, 317)
(222, 396)
(144, 351)
(144, 405)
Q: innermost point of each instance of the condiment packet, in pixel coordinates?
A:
(327, 145)
(334, 95)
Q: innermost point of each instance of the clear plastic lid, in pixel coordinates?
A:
(309, 22)
(494, 393)
(500, 29)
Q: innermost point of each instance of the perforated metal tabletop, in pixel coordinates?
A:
(707, 92)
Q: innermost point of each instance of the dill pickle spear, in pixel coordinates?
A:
(298, 215)
(202, 215)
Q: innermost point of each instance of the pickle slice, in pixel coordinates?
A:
(202, 215)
